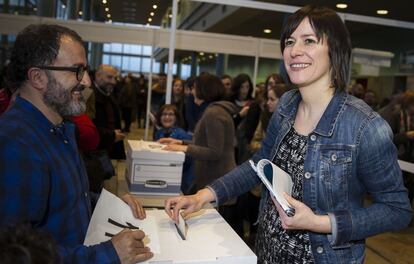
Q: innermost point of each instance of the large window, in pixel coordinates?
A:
(129, 57)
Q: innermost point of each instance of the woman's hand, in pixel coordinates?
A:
(189, 203)
(304, 218)
(173, 147)
(169, 141)
(136, 207)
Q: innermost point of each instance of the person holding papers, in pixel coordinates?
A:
(43, 181)
(335, 148)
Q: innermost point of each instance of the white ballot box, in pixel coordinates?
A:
(209, 239)
(151, 170)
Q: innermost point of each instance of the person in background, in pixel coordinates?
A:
(167, 118)
(400, 117)
(335, 148)
(158, 92)
(43, 181)
(24, 245)
(127, 101)
(358, 90)
(212, 148)
(178, 99)
(193, 111)
(142, 93)
(227, 83)
(270, 82)
(107, 115)
(370, 97)
(5, 93)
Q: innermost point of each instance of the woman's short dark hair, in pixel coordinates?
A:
(36, 45)
(209, 88)
(327, 25)
(237, 83)
(168, 107)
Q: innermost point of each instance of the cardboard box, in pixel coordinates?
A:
(151, 170)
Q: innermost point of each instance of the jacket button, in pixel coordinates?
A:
(334, 157)
(313, 137)
(319, 250)
(307, 175)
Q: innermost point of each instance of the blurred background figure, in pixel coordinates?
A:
(178, 99)
(400, 117)
(127, 101)
(358, 90)
(21, 244)
(227, 83)
(158, 93)
(142, 93)
(370, 97)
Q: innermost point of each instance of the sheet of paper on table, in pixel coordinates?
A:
(111, 207)
(209, 238)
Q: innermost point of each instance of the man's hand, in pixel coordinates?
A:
(119, 135)
(130, 248)
(136, 208)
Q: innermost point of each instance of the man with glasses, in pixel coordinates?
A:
(42, 178)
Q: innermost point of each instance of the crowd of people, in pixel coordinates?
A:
(62, 124)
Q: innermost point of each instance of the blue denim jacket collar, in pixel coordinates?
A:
(328, 120)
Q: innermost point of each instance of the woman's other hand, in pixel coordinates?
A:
(304, 218)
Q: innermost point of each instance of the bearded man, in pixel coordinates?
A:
(42, 178)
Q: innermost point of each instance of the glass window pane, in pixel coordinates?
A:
(145, 64)
(107, 47)
(125, 63)
(116, 47)
(146, 50)
(185, 71)
(105, 59)
(156, 67)
(135, 64)
(132, 49)
(115, 61)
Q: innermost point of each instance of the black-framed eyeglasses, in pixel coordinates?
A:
(79, 70)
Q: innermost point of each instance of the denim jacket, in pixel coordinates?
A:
(349, 154)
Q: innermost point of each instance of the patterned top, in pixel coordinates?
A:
(274, 244)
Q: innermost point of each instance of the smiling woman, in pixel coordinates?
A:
(334, 147)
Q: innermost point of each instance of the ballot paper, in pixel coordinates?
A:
(182, 226)
(111, 215)
(209, 238)
(281, 182)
